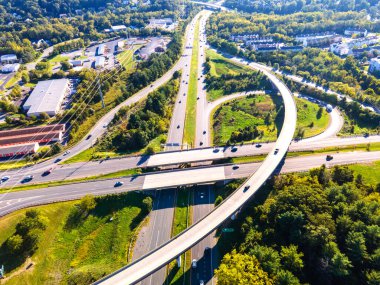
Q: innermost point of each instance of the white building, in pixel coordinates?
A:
(19, 149)
(8, 58)
(76, 62)
(359, 43)
(318, 39)
(340, 49)
(162, 24)
(101, 49)
(9, 68)
(99, 61)
(374, 65)
(359, 32)
(118, 28)
(47, 97)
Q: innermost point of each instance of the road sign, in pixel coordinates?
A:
(228, 230)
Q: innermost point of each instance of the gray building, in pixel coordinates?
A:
(47, 97)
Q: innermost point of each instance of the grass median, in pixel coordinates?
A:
(191, 105)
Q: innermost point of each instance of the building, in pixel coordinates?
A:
(155, 45)
(44, 134)
(101, 49)
(340, 49)
(76, 62)
(361, 42)
(47, 97)
(120, 45)
(8, 58)
(291, 48)
(118, 28)
(100, 61)
(358, 32)
(163, 24)
(18, 149)
(266, 47)
(374, 66)
(9, 68)
(316, 40)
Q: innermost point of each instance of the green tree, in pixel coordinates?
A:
(148, 204)
(291, 258)
(284, 277)
(86, 204)
(342, 174)
(14, 244)
(241, 269)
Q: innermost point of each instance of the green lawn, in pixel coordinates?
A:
(14, 164)
(219, 65)
(370, 172)
(58, 58)
(126, 58)
(244, 112)
(81, 252)
(191, 107)
(178, 275)
(352, 127)
(307, 118)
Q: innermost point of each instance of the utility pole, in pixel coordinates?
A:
(101, 93)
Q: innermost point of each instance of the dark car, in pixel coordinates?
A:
(276, 151)
(246, 188)
(258, 145)
(118, 184)
(329, 157)
(88, 137)
(234, 167)
(234, 149)
(47, 172)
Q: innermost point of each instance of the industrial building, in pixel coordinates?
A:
(47, 97)
(8, 58)
(9, 68)
(101, 49)
(44, 134)
(18, 149)
(99, 61)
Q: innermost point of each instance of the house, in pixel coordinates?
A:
(76, 62)
(291, 48)
(374, 65)
(316, 40)
(118, 28)
(340, 49)
(101, 49)
(9, 68)
(8, 58)
(163, 24)
(358, 32)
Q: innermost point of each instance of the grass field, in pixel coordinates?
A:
(370, 172)
(126, 58)
(191, 107)
(242, 113)
(219, 65)
(14, 164)
(307, 118)
(79, 253)
(58, 58)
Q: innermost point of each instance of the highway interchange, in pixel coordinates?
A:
(152, 254)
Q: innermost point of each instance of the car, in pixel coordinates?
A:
(234, 149)
(178, 126)
(66, 152)
(5, 178)
(234, 167)
(88, 137)
(246, 187)
(204, 132)
(194, 263)
(276, 151)
(105, 125)
(57, 160)
(201, 143)
(215, 150)
(151, 85)
(198, 98)
(184, 94)
(179, 101)
(258, 145)
(201, 282)
(329, 157)
(47, 172)
(118, 184)
(27, 178)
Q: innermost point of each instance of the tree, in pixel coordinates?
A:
(291, 258)
(65, 65)
(342, 174)
(284, 277)
(44, 116)
(148, 204)
(25, 77)
(268, 258)
(86, 204)
(14, 244)
(218, 200)
(237, 268)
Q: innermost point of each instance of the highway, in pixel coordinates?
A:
(12, 201)
(87, 169)
(169, 251)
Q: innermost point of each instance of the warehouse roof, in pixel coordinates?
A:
(47, 96)
(18, 149)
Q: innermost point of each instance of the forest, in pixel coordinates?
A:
(320, 227)
(372, 7)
